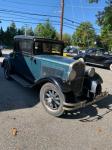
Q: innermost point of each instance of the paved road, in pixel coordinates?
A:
(87, 129)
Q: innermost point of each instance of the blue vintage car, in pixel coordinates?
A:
(63, 83)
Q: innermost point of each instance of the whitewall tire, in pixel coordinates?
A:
(110, 67)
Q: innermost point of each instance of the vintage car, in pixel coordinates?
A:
(99, 57)
(63, 84)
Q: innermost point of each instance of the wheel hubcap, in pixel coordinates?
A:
(52, 99)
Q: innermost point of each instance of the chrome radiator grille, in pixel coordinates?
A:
(77, 84)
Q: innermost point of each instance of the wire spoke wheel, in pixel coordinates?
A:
(52, 99)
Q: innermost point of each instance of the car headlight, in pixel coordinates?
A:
(91, 72)
(72, 75)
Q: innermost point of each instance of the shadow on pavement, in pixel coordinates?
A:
(19, 99)
(90, 113)
(13, 96)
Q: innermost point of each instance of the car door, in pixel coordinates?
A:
(23, 59)
(99, 57)
(35, 63)
(90, 56)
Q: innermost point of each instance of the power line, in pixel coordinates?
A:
(28, 13)
(30, 4)
(25, 18)
(14, 13)
(34, 14)
(24, 22)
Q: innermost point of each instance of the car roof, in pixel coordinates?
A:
(19, 37)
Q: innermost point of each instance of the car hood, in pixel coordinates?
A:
(56, 59)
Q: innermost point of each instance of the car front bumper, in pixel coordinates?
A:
(82, 104)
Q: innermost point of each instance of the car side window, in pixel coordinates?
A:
(37, 48)
(47, 48)
(26, 46)
(91, 52)
(99, 53)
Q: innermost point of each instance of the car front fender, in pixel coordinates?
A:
(4, 61)
(107, 63)
(64, 87)
(91, 83)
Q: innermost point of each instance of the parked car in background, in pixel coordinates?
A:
(62, 83)
(99, 57)
(71, 51)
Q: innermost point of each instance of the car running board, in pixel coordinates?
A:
(21, 81)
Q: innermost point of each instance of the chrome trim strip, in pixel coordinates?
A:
(94, 64)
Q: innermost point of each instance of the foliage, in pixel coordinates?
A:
(67, 38)
(28, 31)
(84, 36)
(6, 37)
(92, 1)
(9, 34)
(1, 36)
(104, 19)
(45, 30)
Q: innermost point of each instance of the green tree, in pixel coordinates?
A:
(29, 31)
(1, 36)
(20, 31)
(84, 36)
(104, 19)
(67, 38)
(92, 1)
(45, 30)
(9, 34)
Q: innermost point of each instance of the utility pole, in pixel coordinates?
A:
(61, 19)
(25, 29)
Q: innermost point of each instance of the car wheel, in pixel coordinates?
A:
(110, 67)
(52, 99)
(7, 71)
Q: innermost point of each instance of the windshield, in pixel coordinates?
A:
(48, 48)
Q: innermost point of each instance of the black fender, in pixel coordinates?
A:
(92, 84)
(97, 78)
(6, 60)
(107, 63)
(57, 81)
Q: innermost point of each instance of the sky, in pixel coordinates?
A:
(23, 12)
